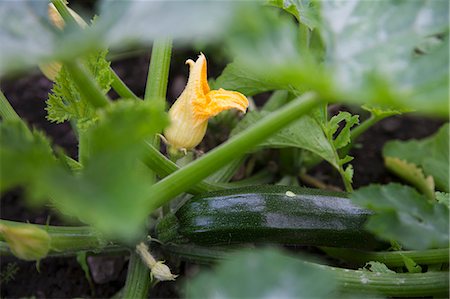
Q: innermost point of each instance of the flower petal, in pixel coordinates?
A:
(217, 101)
(198, 82)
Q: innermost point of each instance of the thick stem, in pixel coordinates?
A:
(183, 179)
(158, 72)
(164, 167)
(86, 84)
(389, 258)
(349, 281)
(138, 279)
(6, 110)
(67, 240)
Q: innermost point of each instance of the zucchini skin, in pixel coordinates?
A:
(273, 214)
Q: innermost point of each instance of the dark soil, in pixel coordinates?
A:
(64, 277)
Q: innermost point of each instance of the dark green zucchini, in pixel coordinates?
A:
(269, 214)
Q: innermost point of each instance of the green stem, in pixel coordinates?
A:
(183, 179)
(6, 110)
(158, 72)
(389, 258)
(157, 79)
(83, 147)
(138, 279)
(68, 240)
(86, 84)
(356, 281)
(391, 284)
(164, 167)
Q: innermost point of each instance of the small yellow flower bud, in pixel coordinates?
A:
(26, 242)
(197, 103)
(159, 270)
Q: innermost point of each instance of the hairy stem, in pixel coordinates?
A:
(389, 258)
(68, 240)
(354, 281)
(138, 279)
(158, 72)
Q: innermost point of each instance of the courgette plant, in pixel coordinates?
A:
(379, 58)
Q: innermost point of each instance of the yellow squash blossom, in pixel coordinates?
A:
(51, 69)
(197, 103)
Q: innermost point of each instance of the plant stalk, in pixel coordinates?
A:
(184, 178)
(6, 110)
(158, 72)
(138, 279)
(68, 240)
(354, 281)
(389, 258)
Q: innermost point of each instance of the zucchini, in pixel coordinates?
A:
(269, 214)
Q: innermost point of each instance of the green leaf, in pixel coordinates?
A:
(25, 34)
(305, 133)
(109, 191)
(411, 265)
(238, 78)
(127, 23)
(65, 102)
(411, 173)
(343, 138)
(432, 154)
(24, 156)
(305, 11)
(373, 57)
(378, 267)
(443, 198)
(383, 112)
(404, 215)
(262, 274)
(268, 55)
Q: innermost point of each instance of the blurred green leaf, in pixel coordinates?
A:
(432, 154)
(65, 101)
(371, 48)
(24, 156)
(306, 133)
(443, 198)
(268, 55)
(278, 276)
(235, 77)
(125, 23)
(28, 38)
(305, 11)
(108, 192)
(25, 34)
(404, 215)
